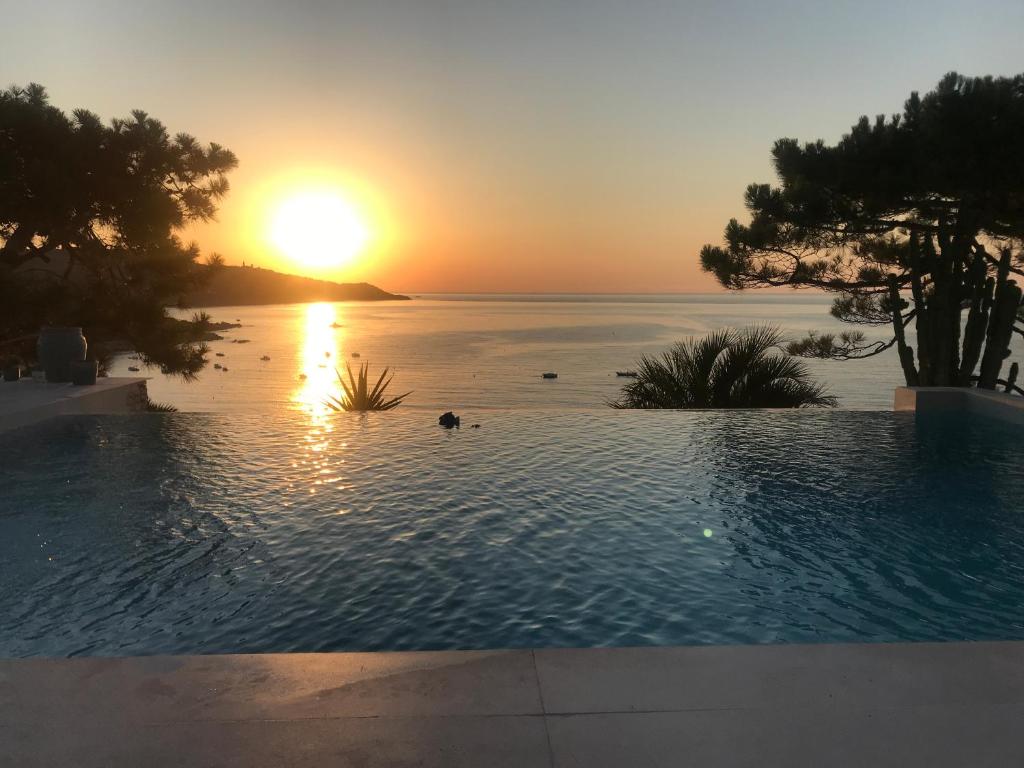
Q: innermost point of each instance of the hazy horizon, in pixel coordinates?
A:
(501, 148)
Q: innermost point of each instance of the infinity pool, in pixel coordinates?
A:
(195, 533)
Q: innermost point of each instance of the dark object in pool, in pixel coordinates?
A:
(448, 420)
(550, 375)
(628, 374)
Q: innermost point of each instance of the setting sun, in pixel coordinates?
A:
(318, 229)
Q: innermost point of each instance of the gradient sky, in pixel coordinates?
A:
(503, 146)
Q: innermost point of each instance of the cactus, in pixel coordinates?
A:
(906, 352)
(1011, 377)
(1005, 305)
(982, 289)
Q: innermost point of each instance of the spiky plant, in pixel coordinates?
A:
(727, 369)
(357, 393)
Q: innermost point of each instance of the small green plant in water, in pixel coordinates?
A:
(357, 393)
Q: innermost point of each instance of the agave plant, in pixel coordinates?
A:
(357, 393)
(728, 369)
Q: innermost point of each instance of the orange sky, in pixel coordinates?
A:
(533, 146)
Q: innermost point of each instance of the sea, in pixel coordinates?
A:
(478, 352)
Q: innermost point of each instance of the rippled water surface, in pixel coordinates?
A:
(206, 533)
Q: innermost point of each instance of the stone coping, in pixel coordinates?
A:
(998, 405)
(27, 402)
(927, 704)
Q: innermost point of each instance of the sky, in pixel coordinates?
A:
(501, 146)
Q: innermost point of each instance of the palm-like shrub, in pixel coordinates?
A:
(728, 369)
(357, 393)
(154, 407)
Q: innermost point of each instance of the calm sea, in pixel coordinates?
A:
(469, 352)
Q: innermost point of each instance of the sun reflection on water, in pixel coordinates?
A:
(321, 342)
(318, 356)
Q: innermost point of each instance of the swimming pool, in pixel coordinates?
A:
(203, 533)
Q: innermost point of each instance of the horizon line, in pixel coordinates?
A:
(719, 291)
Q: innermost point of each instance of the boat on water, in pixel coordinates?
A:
(627, 374)
(549, 375)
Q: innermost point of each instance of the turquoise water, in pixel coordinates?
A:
(212, 533)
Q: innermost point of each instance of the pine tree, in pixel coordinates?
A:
(90, 216)
(914, 218)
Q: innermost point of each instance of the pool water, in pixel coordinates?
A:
(204, 533)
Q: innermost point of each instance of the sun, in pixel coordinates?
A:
(318, 229)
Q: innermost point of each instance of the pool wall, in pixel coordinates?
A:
(998, 405)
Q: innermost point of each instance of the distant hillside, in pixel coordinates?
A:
(237, 286)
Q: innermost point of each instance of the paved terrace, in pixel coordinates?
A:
(952, 704)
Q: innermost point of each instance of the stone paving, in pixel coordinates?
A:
(947, 704)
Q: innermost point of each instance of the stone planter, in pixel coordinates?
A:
(58, 348)
(83, 372)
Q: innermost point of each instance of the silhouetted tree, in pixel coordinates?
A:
(727, 369)
(926, 206)
(89, 216)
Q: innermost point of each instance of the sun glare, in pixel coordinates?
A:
(319, 229)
